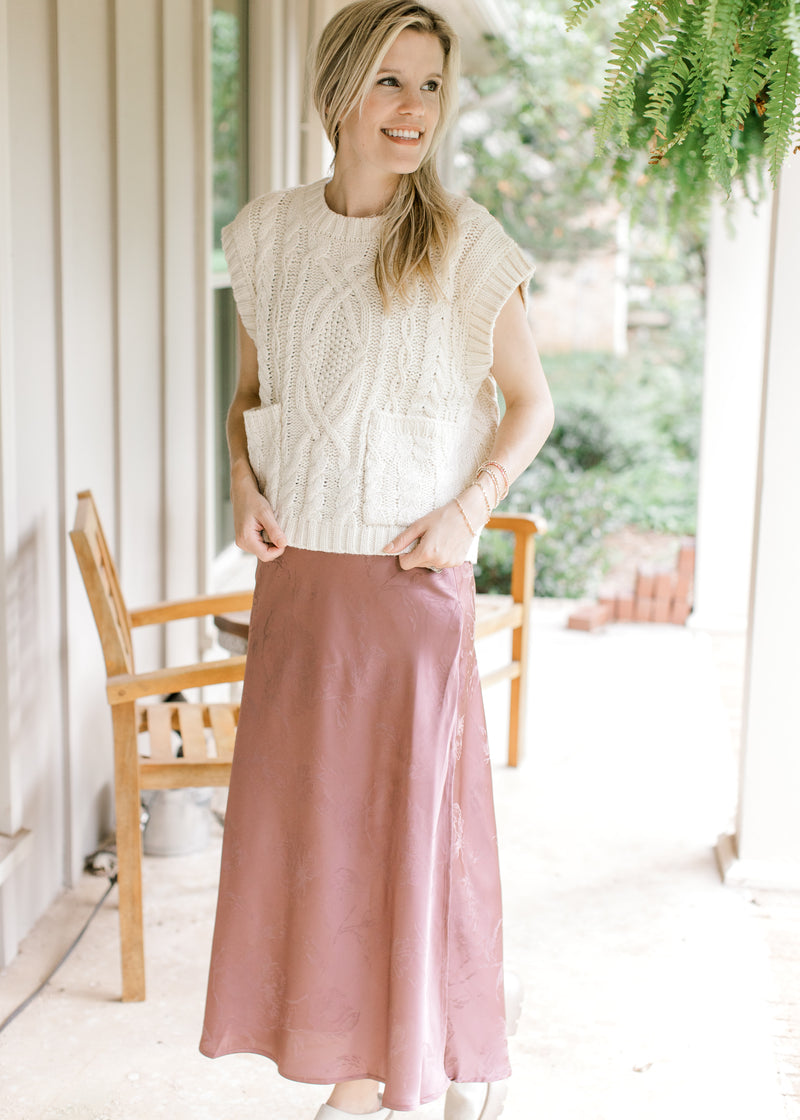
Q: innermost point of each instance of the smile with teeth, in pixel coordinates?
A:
(402, 133)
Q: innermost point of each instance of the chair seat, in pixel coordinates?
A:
(207, 734)
(496, 612)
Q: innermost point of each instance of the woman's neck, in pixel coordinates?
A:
(355, 195)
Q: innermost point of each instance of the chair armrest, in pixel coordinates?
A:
(191, 608)
(524, 526)
(126, 687)
(524, 523)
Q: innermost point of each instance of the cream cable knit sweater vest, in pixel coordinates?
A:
(367, 421)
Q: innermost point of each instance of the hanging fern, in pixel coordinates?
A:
(783, 89)
(711, 66)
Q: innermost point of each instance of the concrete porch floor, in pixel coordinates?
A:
(653, 991)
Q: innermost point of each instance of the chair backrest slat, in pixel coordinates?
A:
(102, 586)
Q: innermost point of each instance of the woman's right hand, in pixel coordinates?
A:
(254, 522)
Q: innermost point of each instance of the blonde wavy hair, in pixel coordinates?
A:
(418, 232)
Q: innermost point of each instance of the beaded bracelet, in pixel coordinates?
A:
(493, 473)
(499, 490)
(463, 514)
(492, 464)
(493, 476)
(489, 467)
(479, 484)
(503, 472)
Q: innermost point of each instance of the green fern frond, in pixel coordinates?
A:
(783, 89)
(709, 18)
(689, 122)
(680, 59)
(746, 83)
(718, 153)
(578, 12)
(750, 69)
(721, 37)
(637, 36)
(626, 101)
(791, 25)
(674, 11)
(670, 75)
(693, 96)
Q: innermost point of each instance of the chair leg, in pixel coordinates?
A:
(521, 592)
(129, 852)
(516, 715)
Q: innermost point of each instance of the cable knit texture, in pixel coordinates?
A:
(367, 421)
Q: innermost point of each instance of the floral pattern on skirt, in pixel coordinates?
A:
(358, 927)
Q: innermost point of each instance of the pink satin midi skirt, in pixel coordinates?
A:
(358, 926)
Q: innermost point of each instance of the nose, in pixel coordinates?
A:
(412, 102)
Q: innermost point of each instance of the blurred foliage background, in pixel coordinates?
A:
(624, 449)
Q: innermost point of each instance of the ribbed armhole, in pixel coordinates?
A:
(505, 272)
(239, 249)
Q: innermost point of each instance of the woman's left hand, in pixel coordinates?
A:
(443, 538)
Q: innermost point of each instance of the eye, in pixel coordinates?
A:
(432, 86)
(383, 81)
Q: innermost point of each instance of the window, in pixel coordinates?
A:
(229, 38)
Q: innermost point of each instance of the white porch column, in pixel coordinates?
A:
(736, 308)
(767, 843)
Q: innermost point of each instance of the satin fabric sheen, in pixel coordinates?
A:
(358, 927)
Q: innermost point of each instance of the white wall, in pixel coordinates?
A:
(287, 142)
(102, 385)
(33, 753)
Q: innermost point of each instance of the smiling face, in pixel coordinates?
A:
(393, 132)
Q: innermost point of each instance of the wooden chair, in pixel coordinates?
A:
(206, 757)
(492, 614)
(512, 612)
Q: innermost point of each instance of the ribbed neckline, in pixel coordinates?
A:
(327, 221)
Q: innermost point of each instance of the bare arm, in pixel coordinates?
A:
(252, 513)
(529, 415)
(444, 538)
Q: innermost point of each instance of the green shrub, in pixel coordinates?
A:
(623, 451)
(578, 509)
(585, 438)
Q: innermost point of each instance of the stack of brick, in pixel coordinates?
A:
(659, 595)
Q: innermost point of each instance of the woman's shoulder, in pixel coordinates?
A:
(471, 214)
(486, 256)
(479, 232)
(261, 212)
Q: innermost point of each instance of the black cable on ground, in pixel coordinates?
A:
(17, 1010)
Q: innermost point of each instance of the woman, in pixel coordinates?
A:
(358, 929)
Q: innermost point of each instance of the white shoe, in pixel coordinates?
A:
(328, 1112)
(475, 1100)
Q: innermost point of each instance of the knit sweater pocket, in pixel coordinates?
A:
(411, 467)
(263, 429)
